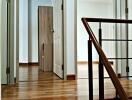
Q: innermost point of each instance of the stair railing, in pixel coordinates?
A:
(103, 60)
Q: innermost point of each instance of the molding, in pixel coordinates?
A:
(33, 63)
(71, 77)
(94, 62)
(29, 64)
(23, 64)
(120, 76)
(85, 62)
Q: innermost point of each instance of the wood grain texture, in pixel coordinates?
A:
(47, 86)
(46, 38)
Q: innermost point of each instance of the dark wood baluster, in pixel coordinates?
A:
(90, 70)
(101, 69)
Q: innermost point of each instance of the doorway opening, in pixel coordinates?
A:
(40, 39)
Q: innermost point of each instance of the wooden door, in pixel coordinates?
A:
(45, 38)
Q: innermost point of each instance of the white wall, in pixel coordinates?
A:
(0, 41)
(33, 27)
(23, 32)
(98, 9)
(69, 36)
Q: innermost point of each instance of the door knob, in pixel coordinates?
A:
(43, 46)
(52, 30)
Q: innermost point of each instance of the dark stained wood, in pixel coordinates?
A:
(46, 38)
(106, 20)
(90, 69)
(101, 68)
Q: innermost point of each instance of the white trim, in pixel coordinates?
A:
(0, 41)
(65, 42)
(75, 35)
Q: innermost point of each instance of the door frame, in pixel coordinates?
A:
(12, 42)
(12, 68)
(63, 41)
(75, 38)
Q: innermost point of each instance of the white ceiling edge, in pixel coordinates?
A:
(97, 1)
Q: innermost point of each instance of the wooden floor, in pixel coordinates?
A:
(47, 86)
(82, 69)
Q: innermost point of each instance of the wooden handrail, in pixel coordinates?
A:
(104, 60)
(105, 20)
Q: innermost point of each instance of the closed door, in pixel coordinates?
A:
(45, 38)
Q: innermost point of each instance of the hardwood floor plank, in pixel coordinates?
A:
(47, 86)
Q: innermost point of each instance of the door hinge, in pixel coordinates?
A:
(127, 69)
(62, 7)
(15, 80)
(7, 70)
(126, 10)
(62, 67)
(8, 1)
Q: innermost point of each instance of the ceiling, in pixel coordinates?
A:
(97, 1)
